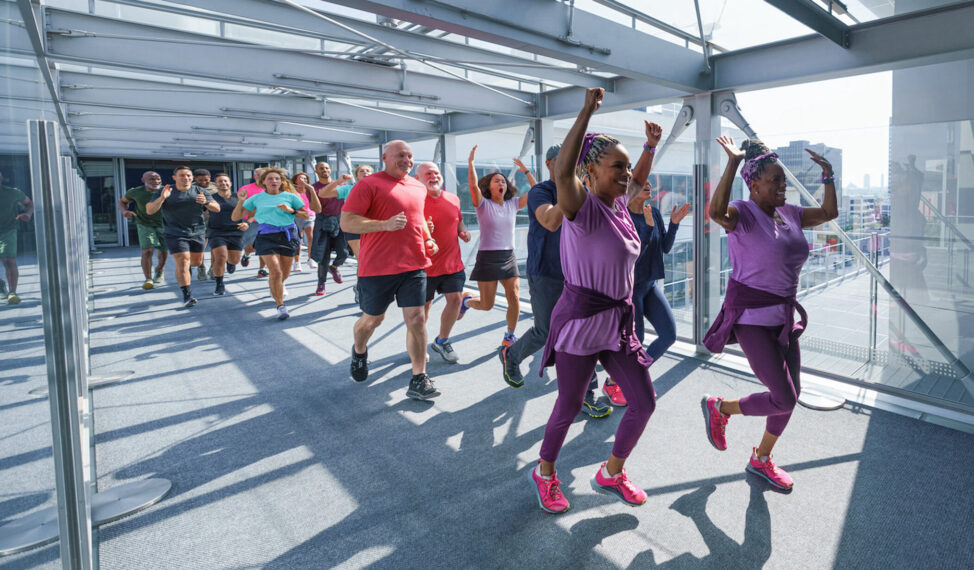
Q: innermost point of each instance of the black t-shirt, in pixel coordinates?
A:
(181, 215)
(220, 222)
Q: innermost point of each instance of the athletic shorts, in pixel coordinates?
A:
(8, 244)
(251, 234)
(183, 244)
(352, 237)
(449, 283)
(277, 244)
(233, 242)
(376, 293)
(150, 237)
(301, 223)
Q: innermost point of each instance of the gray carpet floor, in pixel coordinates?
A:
(279, 460)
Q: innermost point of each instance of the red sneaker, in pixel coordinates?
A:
(614, 393)
(620, 487)
(549, 494)
(715, 420)
(770, 472)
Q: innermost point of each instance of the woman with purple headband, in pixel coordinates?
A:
(767, 250)
(593, 319)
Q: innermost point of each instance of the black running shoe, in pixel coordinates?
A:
(262, 273)
(245, 261)
(360, 366)
(231, 267)
(422, 388)
(595, 408)
(220, 290)
(512, 372)
(189, 302)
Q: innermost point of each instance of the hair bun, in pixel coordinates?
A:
(753, 148)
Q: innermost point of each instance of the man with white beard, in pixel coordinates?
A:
(149, 226)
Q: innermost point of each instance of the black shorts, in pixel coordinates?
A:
(181, 244)
(352, 237)
(277, 244)
(449, 283)
(233, 242)
(376, 293)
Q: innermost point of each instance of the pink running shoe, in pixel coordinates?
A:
(770, 472)
(335, 274)
(549, 494)
(614, 393)
(715, 420)
(620, 487)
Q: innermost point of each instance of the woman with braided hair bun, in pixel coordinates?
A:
(767, 250)
(593, 319)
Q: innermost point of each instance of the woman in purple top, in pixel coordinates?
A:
(497, 202)
(593, 319)
(767, 250)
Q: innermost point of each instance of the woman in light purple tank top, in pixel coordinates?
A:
(497, 202)
(767, 250)
(593, 320)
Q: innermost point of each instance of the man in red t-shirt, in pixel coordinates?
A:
(387, 209)
(445, 275)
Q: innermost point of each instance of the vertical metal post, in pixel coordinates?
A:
(64, 296)
(873, 296)
(544, 137)
(706, 241)
(447, 162)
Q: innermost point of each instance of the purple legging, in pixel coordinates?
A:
(574, 373)
(773, 367)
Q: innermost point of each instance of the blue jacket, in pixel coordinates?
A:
(649, 264)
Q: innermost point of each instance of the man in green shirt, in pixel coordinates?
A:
(148, 225)
(14, 206)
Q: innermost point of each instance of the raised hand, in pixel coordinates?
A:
(593, 99)
(654, 133)
(821, 161)
(201, 198)
(732, 151)
(520, 165)
(473, 151)
(679, 213)
(396, 222)
(166, 191)
(648, 215)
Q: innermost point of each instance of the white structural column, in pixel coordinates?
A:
(447, 161)
(706, 244)
(544, 136)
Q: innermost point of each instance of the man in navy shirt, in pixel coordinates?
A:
(545, 281)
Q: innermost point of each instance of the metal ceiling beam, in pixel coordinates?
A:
(816, 18)
(259, 13)
(46, 69)
(158, 96)
(550, 29)
(919, 38)
(163, 51)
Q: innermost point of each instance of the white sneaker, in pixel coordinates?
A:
(284, 293)
(312, 264)
(282, 313)
(296, 267)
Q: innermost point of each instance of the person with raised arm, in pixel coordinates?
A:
(593, 319)
(497, 202)
(767, 250)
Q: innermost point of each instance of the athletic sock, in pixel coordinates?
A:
(605, 472)
(538, 471)
(439, 340)
(219, 280)
(186, 292)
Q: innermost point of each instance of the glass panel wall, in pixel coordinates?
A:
(902, 145)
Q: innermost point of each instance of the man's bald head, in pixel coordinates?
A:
(397, 157)
(429, 174)
(151, 179)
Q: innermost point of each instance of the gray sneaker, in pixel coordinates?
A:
(201, 272)
(422, 388)
(444, 349)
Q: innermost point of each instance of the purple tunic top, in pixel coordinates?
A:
(598, 252)
(768, 256)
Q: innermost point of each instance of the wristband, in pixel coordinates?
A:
(830, 179)
(649, 149)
